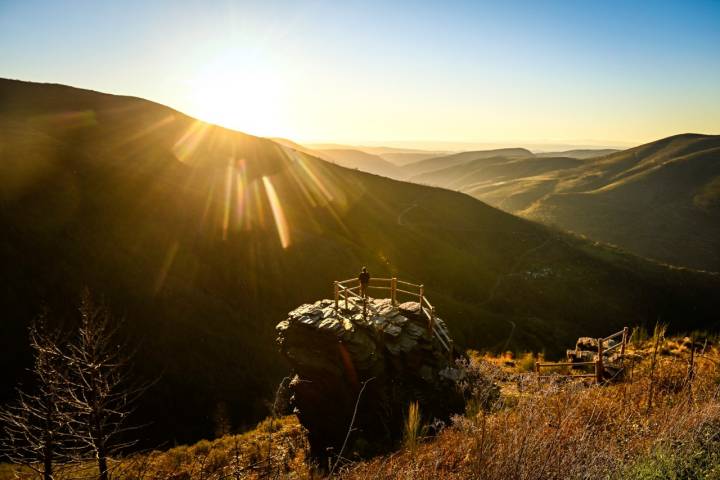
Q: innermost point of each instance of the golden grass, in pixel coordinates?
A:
(525, 429)
(413, 427)
(572, 430)
(275, 449)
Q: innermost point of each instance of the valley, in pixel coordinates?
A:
(203, 238)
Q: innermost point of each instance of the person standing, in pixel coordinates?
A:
(364, 279)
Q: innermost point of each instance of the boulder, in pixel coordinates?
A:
(388, 354)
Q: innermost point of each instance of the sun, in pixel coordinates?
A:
(246, 97)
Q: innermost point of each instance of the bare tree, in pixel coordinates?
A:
(35, 426)
(99, 393)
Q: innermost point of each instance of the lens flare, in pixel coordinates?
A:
(234, 204)
(280, 222)
(165, 269)
(240, 193)
(229, 181)
(188, 143)
(316, 185)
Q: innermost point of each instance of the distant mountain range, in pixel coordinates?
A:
(383, 161)
(657, 200)
(660, 200)
(203, 238)
(349, 157)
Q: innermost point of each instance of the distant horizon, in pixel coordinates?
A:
(460, 146)
(425, 74)
(432, 145)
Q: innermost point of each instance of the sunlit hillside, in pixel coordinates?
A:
(658, 200)
(203, 238)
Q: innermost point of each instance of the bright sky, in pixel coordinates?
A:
(577, 72)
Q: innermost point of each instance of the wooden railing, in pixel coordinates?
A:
(350, 288)
(597, 363)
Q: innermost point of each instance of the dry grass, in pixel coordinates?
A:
(515, 427)
(275, 449)
(577, 430)
(413, 427)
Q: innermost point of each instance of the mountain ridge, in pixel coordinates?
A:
(612, 198)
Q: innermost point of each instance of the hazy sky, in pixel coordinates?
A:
(576, 72)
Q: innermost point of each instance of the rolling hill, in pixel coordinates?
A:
(360, 160)
(402, 159)
(462, 158)
(348, 157)
(582, 154)
(203, 238)
(658, 200)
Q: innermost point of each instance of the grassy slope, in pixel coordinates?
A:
(558, 430)
(494, 171)
(658, 200)
(169, 220)
(532, 430)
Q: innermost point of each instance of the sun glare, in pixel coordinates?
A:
(248, 98)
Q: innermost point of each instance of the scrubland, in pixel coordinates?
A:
(662, 420)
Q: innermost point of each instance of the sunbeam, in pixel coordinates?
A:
(278, 215)
(189, 142)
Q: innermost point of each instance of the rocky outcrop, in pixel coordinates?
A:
(389, 354)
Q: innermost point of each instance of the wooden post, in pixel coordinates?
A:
(393, 290)
(624, 342)
(345, 293)
(337, 294)
(432, 320)
(422, 294)
(598, 376)
(537, 367)
(599, 364)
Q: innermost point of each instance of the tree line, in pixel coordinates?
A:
(83, 394)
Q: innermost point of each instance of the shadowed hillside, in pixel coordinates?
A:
(204, 238)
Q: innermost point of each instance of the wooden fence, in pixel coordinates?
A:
(350, 288)
(597, 363)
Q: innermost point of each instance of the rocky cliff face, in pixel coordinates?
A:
(390, 354)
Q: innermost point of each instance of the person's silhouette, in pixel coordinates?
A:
(364, 279)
